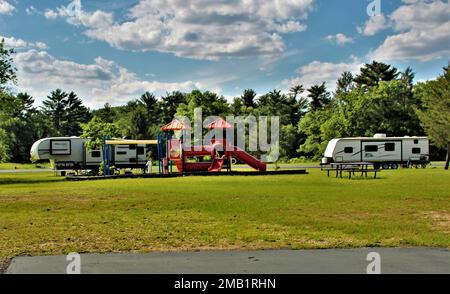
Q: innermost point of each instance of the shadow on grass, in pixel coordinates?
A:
(359, 178)
(12, 180)
(366, 179)
(4, 264)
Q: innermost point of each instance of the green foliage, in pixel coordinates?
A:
(170, 104)
(4, 147)
(248, 98)
(288, 141)
(65, 112)
(211, 104)
(54, 108)
(374, 73)
(297, 90)
(345, 83)
(96, 130)
(311, 127)
(106, 114)
(75, 113)
(319, 96)
(390, 109)
(7, 69)
(385, 108)
(18, 125)
(435, 112)
(137, 124)
(152, 108)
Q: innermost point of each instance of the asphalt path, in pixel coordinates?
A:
(387, 260)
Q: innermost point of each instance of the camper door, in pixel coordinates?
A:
(380, 151)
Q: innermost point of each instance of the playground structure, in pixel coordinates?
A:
(220, 152)
(172, 151)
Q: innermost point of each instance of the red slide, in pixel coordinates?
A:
(216, 165)
(243, 156)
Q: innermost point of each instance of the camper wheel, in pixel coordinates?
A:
(385, 165)
(394, 166)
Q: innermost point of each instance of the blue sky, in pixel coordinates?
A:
(112, 51)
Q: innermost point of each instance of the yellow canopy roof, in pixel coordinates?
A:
(131, 142)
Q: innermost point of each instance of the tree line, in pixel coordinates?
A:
(379, 99)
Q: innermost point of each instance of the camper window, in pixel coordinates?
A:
(132, 147)
(348, 150)
(140, 150)
(371, 148)
(389, 147)
(96, 154)
(416, 141)
(416, 150)
(121, 153)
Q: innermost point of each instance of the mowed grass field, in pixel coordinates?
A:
(41, 214)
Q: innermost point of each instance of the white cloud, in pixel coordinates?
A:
(423, 29)
(78, 17)
(11, 42)
(318, 72)
(31, 10)
(40, 45)
(422, 45)
(97, 83)
(50, 14)
(198, 29)
(420, 14)
(18, 44)
(5, 7)
(289, 27)
(339, 39)
(373, 25)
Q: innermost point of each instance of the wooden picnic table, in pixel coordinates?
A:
(351, 168)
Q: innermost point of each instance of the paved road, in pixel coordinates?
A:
(392, 260)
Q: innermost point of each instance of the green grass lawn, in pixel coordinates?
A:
(42, 214)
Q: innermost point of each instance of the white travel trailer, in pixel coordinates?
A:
(382, 151)
(71, 153)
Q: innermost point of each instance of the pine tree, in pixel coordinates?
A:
(106, 114)
(76, 113)
(373, 73)
(170, 104)
(248, 98)
(55, 109)
(319, 96)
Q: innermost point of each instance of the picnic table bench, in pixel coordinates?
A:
(351, 168)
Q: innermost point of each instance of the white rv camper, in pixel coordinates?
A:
(386, 152)
(71, 153)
